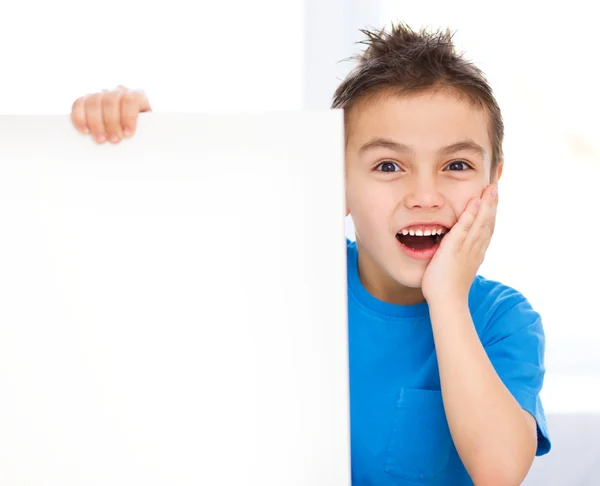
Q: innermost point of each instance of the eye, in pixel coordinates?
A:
(458, 165)
(388, 167)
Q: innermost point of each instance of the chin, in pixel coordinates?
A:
(409, 277)
(411, 283)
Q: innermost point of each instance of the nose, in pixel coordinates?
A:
(424, 194)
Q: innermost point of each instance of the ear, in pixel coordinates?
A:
(495, 177)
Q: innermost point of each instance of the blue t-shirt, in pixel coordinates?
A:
(399, 431)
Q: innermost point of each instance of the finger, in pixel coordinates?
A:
(469, 215)
(78, 115)
(485, 221)
(93, 115)
(111, 114)
(462, 227)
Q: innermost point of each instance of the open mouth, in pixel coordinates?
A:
(419, 238)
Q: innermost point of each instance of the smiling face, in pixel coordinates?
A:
(412, 165)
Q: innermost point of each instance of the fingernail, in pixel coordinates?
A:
(100, 137)
(85, 130)
(114, 138)
(494, 190)
(478, 203)
(127, 132)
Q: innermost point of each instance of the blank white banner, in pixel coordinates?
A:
(173, 308)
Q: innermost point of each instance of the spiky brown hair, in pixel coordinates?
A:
(405, 61)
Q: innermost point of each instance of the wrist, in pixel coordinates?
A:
(448, 300)
(449, 306)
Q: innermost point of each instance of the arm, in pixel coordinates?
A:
(495, 438)
(488, 389)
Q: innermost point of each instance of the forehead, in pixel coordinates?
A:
(425, 121)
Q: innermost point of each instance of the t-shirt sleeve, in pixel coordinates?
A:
(515, 344)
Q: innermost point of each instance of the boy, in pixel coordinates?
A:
(445, 366)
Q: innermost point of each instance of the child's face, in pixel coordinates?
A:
(421, 180)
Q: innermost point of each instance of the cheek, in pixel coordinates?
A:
(459, 200)
(365, 197)
(369, 206)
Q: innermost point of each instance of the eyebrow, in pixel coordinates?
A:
(465, 145)
(386, 143)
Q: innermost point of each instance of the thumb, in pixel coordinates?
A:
(140, 95)
(143, 100)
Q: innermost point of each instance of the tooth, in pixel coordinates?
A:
(411, 232)
(419, 233)
(404, 232)
(428, 232)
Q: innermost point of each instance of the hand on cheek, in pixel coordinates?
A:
(453, 268)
